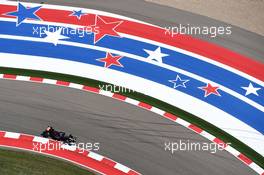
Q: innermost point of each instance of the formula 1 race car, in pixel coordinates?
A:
(59, 136)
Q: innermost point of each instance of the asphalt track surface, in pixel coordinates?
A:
(127, 134)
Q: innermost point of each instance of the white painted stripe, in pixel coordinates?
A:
(184, 72)
(122, 168)
(221, 65)
(95, 156)
(12, 135)
(207, 135)
(232, 150)
(22, 78)
(182, 122)
(26, 21)
(76, 86)
(41, 140)
(256, 168)
(157, 110)
(68, 147)
(64, 146)
(132, 101)
(49, 81)
(207, 112)
(84, 10)
(1, 75)
(141, 39)
(200, 57)
(106, 93)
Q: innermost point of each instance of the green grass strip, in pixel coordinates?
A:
(13, 162)
(241, 147)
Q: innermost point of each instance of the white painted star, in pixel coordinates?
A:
(155, 55)
(54, 37)
(251, 89)
(178, 82)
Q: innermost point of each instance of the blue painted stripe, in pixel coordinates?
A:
(226, 102)
(175, 59)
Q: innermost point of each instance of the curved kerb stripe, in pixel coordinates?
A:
(143, 105)
(81, 157)
(183, 43)
(142, 59)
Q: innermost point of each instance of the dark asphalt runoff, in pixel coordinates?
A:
(130, 135)
(127, 134)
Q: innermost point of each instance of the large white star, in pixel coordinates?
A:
(155, 55)
(54, 37)
(251, 89)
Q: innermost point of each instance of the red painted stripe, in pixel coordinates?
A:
(245, 159)
(5, 9)
(2, 134)
(86, 161)
(119, 97)
(220, 142)
(108, 162)
(144, 105)
(36, 79)
(195, 128)
(9, 76)
(62, 16)
(170, 116)
(212, 51)
(25, 142)
(91, 89)
(131, 172)
(83, 152)
(62, 83)
(26, 138)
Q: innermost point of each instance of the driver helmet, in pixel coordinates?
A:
(49, 128)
